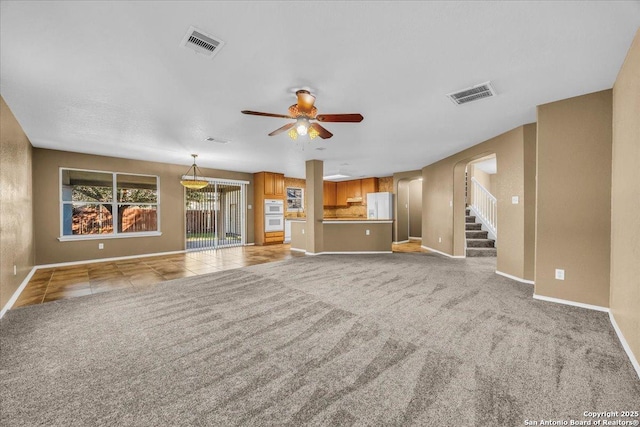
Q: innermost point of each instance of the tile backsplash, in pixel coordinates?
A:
(385, 184)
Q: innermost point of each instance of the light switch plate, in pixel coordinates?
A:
(368, 232)
(515, 200)
(100, 245)
(559, 274)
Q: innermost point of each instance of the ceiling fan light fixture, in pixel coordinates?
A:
(313, 133)
(293, 134)
(193, 182)
(302, 126)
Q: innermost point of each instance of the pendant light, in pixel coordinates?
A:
(194, 183)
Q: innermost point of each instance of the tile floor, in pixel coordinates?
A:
(50, 284)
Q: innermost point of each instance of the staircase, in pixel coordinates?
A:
(478, 245)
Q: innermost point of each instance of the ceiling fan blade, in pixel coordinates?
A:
(258, 113)
(283, 129)
(305, 101)
(322, 132)
(351, 118)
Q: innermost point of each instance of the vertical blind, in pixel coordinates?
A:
(215, 215)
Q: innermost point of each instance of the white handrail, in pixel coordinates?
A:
(485, 206)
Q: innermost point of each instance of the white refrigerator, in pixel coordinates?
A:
(380, 206)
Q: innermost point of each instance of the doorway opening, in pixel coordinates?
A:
(216, 215)
(481, 214)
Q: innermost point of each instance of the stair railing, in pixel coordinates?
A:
(485, 206)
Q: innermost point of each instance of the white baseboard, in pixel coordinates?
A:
(401, 241)
(249, 244)
(625, 344)
(353, 253)
(441, 253)
(573, 303)
(91, 261)
(518, 279)
(623, 341)
(415, 238)
(297, 250)
(17, 293)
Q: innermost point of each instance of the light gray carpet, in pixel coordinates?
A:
(402, 339)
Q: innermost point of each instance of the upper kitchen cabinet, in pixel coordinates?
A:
(354, 191)
(341, 193)
(329, 194)
(369, 185)
(273, 184)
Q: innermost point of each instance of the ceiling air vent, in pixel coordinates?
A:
(483, 90)
(201, 42)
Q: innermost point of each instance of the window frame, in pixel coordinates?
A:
(117, 234)
(301, 198)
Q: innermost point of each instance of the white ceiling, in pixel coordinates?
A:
(110, 77)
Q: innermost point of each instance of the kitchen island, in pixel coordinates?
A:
(346, 235)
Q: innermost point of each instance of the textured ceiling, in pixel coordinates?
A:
(110, 77)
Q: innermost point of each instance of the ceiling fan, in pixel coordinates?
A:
(303, 112)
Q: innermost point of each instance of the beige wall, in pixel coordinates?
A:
(573, 212)
(493, 179)
(530, 140)
(625, 200)
(415, 208)
(16, 208)
(401, 203)
(315, 190)
(49, 250)
(346, 237)
(444, 184)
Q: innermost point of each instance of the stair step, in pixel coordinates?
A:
(473, 226)
(481, 243)
(481, 252)
(467, 212)
(470, 218)
(476, 234)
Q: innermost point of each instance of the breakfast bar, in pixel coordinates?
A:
(346, 235)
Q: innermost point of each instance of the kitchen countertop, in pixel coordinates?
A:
(354, 219)
(340, 219)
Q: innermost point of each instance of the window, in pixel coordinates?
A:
(107, 204)
(295, 199)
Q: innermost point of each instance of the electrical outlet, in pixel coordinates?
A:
(303, 231)
(559, 274)
(100, 245)
(515, 200)
(439, 239)
(367, 232)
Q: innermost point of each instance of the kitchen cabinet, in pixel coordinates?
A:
(369, 185)
(274, 237)
(273, 184)
(287, 230)
(354, 190)
(341, 193)
(266, 185)
(329, 193)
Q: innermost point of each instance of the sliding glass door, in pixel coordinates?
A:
(215, 215)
